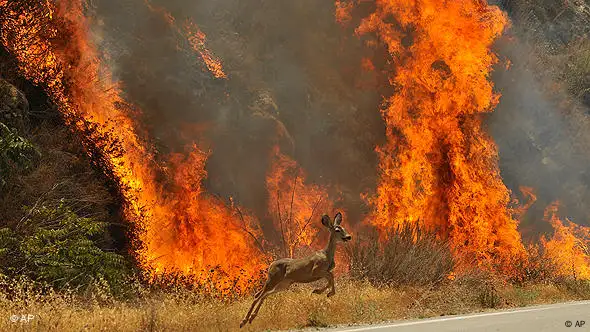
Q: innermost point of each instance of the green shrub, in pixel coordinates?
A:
(15, 153)
(55, 246)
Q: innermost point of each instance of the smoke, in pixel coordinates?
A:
(294, 79)
(542, 132)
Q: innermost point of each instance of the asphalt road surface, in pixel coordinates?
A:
(555, 317)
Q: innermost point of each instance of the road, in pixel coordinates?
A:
(539, 318)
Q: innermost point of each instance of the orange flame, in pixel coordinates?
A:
(183, 228)
(569, 247)
(294, 205)
(196, 39)
(439, 166)
(343, 11)
(530, 196)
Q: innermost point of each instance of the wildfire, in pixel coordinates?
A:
(293, 204)
(531, 198)
(182, 228)
(343, 10)
(439, 166)
(196, 39)
(569, 248)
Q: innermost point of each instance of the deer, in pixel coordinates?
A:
(284, 272)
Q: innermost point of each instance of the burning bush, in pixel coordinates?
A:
(182, 227)
(536, 268)
(569, 247)
(294, 205)
(410, 255)
(438, 164)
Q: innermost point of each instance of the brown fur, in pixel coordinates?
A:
(284, 272)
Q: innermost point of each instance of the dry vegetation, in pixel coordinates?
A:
(355, 301)
(415, 285)
(410, 256)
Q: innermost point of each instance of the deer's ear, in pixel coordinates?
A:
(338, 219)
(326, 221)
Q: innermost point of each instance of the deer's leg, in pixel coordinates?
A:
(268, 286)
(256, 300)
(280, 287)
(258, 307)
(331, 284)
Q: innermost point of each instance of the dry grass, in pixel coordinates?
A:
(354, 302)
(405, 278)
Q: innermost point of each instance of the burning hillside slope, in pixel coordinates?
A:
(438, 166)
(181, 227)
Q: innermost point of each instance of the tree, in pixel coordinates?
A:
(52, 244)
(16, 153)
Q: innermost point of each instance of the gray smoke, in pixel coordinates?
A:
(294, 78)
(542, 131)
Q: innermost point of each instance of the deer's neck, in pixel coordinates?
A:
(331, 250)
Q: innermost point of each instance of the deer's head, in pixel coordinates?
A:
(334, 226)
